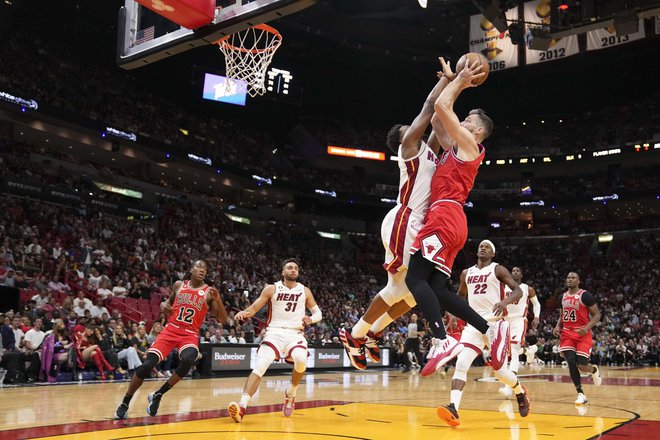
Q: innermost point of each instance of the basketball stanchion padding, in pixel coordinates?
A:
(190, 14)
(248, 54)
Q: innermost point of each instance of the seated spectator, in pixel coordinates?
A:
(125, 352)
(41, 299)
(99, 309)
(58, 286)
(104, 291)
(55, 351)
(82, 303)
(87, 347)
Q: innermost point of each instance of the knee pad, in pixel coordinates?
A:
(187, 359)
(144, 370)
(463, 363)
(299, 358)
(265, 357)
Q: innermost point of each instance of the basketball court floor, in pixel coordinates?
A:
(374, 404)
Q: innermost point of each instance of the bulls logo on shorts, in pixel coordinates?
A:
(431, 247)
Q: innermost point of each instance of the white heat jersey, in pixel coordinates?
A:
(415, 176)
(287, 307)
(484, 290)
(519, 308)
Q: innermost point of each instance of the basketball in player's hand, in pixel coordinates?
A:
(470, 58)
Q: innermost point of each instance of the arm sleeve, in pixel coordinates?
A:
(588, 299)
(316, 314)
(536, 306)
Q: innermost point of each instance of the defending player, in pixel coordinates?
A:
(575, 327)
(516, 315)
(187, 307)
(417, 162)
(483, 286)
(445, 230)
(287, 300)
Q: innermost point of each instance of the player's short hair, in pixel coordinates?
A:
(290, 260)
(575, 272)
(394, 138)
(200, 260)
(484, 121)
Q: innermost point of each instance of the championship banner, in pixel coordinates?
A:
(494, 45)
(538, 11)
(607, 37)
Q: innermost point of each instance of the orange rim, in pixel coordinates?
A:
(264, 27)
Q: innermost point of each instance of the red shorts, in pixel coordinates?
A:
(571, 340)
(444, 234)
(170, 338)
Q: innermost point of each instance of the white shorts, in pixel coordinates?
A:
(283, 342)
(398, 232)
(474, 339)
(517, 331)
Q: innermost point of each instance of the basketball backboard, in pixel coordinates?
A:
(145, 37)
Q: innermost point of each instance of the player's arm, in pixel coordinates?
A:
(503, 274)
(266, 295)
(413, 136)
(557, 330)
(589, 301)
(463, 288)
(444, 109)
(215, 304)
(311, 305)
(166, 307)
(536, 307)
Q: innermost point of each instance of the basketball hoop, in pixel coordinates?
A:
(248, 54)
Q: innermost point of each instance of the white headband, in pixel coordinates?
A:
(490, 243)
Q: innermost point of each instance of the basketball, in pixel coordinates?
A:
(472, 57)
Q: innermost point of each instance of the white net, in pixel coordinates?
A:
(248, 54)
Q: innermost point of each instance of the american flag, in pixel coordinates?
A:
(144, 35)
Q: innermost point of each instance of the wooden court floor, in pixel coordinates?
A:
(375, 404)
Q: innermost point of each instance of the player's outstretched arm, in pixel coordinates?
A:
(266, 295)
(444, 109)
(311, 305)
(503, 274)
(412, 139)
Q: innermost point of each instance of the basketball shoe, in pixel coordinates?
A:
(581, 399)
(289, 405)
(596, 376)
(441, 352)
(121, 412)
(154, 403)
(372, 345)
(498, 336)
(523, 402)
(236, 412)
(355, 349)
(448, 414)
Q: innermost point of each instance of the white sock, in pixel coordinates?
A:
(292, 390)
(518, 389)
(456, 398)
(381, 323)
(360, 329)
(245, 399)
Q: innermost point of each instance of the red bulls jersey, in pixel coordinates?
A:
(454, 178)
(575, 308)
(190, 307)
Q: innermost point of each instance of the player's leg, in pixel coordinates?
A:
(517, 337)
(454, 304)
(266, 354)
(583, 352)
(298, 355)
(473, 341)
(187, 356)
(508, 378)
(571, 359)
